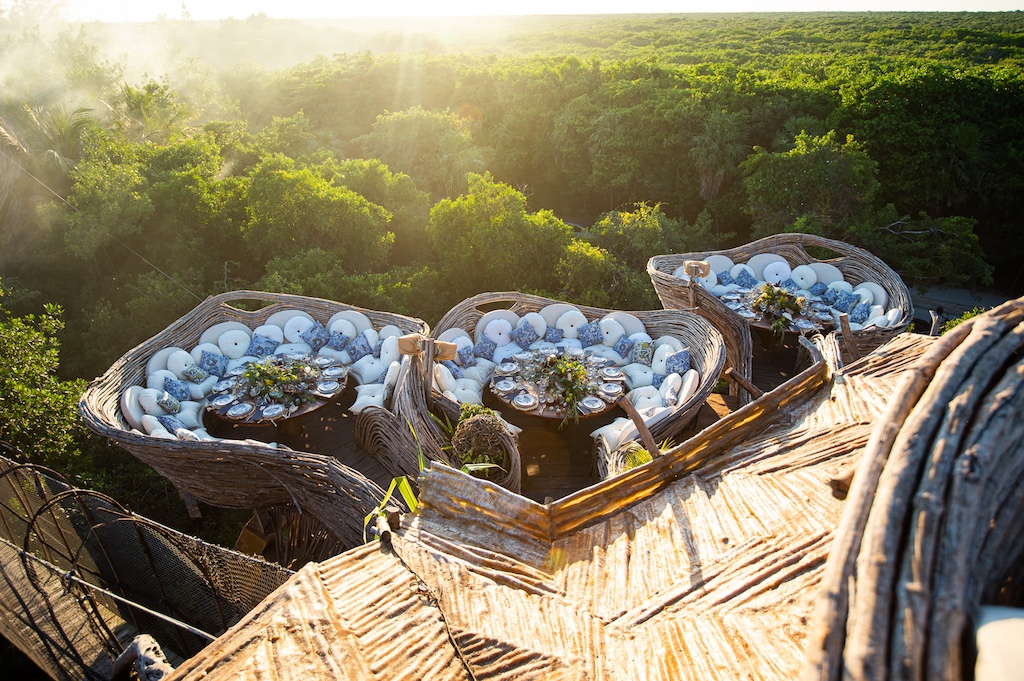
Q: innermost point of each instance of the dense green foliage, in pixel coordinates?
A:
(423, 163)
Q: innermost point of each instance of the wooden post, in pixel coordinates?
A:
(735, 376)
(851, 344)
(638, 421)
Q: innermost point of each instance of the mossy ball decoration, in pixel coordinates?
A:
(479, 438)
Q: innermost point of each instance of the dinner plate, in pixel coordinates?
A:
(272, 411)
(592, 403)
(522, 356)
(734, 305)
(328, 387)
(237, 371)
(746, 314)
(508, 367)
(611, 389)
(524, 401)
(222, 400)
(241, 410)
(505, 385)
(323, 361)
(611, 373)
(823, 316)
(296, 356)
(804, 324)
(226, 384)
(334, 372)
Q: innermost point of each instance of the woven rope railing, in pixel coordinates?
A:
(707, 352)
(82, 575)
(856, 264)
(240, 473)
(935, 515)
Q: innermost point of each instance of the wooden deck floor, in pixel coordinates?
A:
(555, 461)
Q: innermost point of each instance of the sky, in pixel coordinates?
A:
(151, 10)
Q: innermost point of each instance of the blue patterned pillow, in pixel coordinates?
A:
(524, 336)
(466, 357)
(171, 423)
(169, 403)
(724, 278)
(590, 334)
(624, 346)
(216, 364)
(316, 336)
(658, 379)
(337, 341)
(642, 353)
(829, 296)
(789, 285)
(678, 362)
(383, 376)
(178, 389)
(859, 314)
(377, 346)
(552, 335)
(359, 348)
(745, 279)
(454, 368)
(261, 346)
(195, 373)
(818, 289)
(846, 301)
(485, 348)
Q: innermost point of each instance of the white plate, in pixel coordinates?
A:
(592, 403)
(222, 400)
(611, 373)
(323, 361)
(505, 385)
(508, 367)
(226, 384)
(328, 387)
(613, 389)
(237, 371)
(272, 411)
(524, 401)
(746, 314)
(335, 372)
(241, 409)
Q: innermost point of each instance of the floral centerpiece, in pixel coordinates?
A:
(279, 380)
(564, 381)
(778, 306)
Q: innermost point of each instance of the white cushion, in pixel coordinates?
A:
(203, 435)
(671, 341)
(777, 272)
(608, 353)
(876, 311)
(371, 395)
(638, 375)
(661, 353)
(147, 402)
(866, 294)
(295, 327)
(690, 383)
(389, 350)
(759, 263)
(803, 276)
(159, 359)
(234, 343)
(505, 352)
(389, 331)
(280, 319)
(178, 361)
(719, 291)
(443, 378)
(612, 433)
(130, 407)
(826, 273)
(499, 331)
(542, 345)
(339, 355)
(162, 434)
(344, 327)
(214, 332)
(999, 632)
(151, 424)
(481, 372)
(670, 388)
(360, 322)
(286, 348)
(841, 286)
(467, 395)
(508, 315)
(641, 336)
(645, 392)
(894, 316)
(534, 319)
(736, 269)
(368, 369)
(200, 390)
(611, 331)
(391, 378)
(271, 331)
(552, 312)
(570, 324)
(453, 334)
(189, 415)
(156, 379)
(719, 263)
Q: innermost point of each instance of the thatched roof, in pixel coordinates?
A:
(703, 564)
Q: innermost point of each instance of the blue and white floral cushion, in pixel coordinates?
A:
(624, 347)
(818, 289)
(454, 368)
(171, 423)
(377, 346)
(642, 353)
(169, 403)
(590, 334)
(859, 314)
(359, 348)
(746, 279)
(316, 336)
(485, 348)
(337, 342)
(678, 362)
(178, 389)
(195, 373)
(658, 379)
(829, 296)
(524, 335)
(789, 285)
(552, 335)
(261, 346)
(466, 357)
(216, 365)
(724, 278)
(846, 301)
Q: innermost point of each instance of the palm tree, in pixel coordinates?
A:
(717, 151)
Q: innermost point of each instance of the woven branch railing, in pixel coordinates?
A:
(934, 519)
(240, 473)
(707, 351)
(397, 435)
(856, 264)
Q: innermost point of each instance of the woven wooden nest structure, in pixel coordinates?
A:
(856, 264)
(934, 520)
(707, 354)
(240, 473)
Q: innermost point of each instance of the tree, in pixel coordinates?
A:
(828, 187)
(717, 150)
